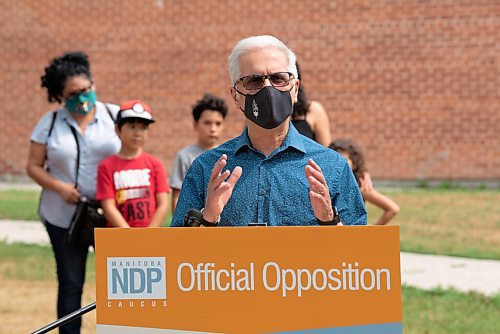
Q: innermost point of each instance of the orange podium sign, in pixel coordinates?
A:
(249, 280)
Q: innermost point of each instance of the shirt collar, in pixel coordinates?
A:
(293, 139)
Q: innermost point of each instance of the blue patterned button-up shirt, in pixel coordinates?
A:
(273, 190)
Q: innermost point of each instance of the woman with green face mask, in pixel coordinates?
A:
(66, 147)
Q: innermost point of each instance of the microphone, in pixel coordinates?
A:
(194, 218)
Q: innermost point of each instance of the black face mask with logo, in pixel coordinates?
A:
(269, 107)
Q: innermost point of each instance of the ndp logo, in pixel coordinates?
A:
(136, 278)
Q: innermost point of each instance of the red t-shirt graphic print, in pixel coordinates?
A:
(133, 184)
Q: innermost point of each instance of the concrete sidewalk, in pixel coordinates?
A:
(419, 270)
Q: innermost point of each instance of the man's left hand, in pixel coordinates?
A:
(319, 194)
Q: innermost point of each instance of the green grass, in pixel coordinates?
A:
(448, 221)
(30, 262)
(445, 220)
(23, 205)
(436, 311)
(455, 222)
(19, 204)
(448, 311)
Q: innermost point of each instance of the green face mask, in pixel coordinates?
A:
(82, 103)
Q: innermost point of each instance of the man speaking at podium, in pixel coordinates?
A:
(270, 174)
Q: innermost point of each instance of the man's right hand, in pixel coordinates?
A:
(68, 192)
(219, 190)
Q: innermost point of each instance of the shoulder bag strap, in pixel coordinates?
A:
(78, 145)
(77, 154)
(109, 112)
(52, 122)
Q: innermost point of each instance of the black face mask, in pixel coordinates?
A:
(269, 107)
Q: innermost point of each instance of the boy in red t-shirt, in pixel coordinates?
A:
(132, 185)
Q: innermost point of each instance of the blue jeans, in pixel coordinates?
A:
(70, 262)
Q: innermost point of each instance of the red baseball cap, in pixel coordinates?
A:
(135, 109)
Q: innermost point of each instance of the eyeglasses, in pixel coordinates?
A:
(256, 81)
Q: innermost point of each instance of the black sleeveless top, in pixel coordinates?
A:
(304, 128)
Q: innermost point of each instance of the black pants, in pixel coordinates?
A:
(70, 262)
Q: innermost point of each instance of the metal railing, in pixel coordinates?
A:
(65, 319)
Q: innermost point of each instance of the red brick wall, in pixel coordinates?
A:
(416, 83)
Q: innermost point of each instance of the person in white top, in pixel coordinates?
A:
(73, 139)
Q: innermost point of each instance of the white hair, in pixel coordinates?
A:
(258, 42)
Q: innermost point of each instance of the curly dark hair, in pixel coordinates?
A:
(209, 102)
(60, 69)
(354, 152)
(300, 107)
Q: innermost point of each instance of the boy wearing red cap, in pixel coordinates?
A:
(132, 185)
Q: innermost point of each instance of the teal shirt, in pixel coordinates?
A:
(273, 189)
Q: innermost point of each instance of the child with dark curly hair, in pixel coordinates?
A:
(209, 114)
(349, 150)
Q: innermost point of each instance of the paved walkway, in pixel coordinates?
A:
(419, 270)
